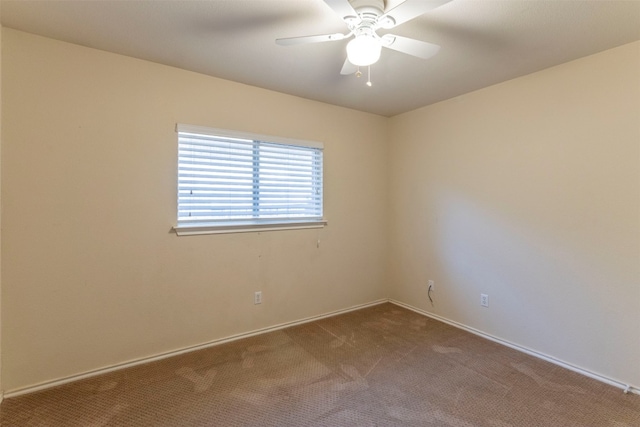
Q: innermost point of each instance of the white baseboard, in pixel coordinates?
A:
(213, 343)
(54, 383)
(625, 387)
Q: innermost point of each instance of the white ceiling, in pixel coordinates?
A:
(483, 42)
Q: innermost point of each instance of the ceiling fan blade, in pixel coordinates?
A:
(408, 10)
(342, 7)
(348, 68)
(409, 46)
(290, 41)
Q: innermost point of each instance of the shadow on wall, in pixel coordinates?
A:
(539, 281)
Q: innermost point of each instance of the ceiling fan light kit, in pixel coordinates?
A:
(364, 50)
(364, 18)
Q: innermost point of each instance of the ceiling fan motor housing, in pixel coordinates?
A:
(368, 10)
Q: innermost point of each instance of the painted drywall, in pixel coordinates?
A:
(1, 387)
(528, 191)
(93, 274)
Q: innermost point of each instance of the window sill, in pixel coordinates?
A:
(193, 230)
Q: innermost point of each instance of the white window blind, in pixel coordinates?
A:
(229, 180)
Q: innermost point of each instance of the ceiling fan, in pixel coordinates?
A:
(364, 18)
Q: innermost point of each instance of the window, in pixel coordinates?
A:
(231, 182)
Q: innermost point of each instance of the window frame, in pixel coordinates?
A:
(246, 225)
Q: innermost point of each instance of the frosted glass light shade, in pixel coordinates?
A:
(364, 50)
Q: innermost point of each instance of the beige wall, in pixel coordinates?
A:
(529, 191)
(93, 276)
(1, 386)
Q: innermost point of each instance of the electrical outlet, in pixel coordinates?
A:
(257, 297)
(484, 300)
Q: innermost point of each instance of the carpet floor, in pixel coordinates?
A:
(379, 366)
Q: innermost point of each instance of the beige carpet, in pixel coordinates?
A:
(380, 366)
